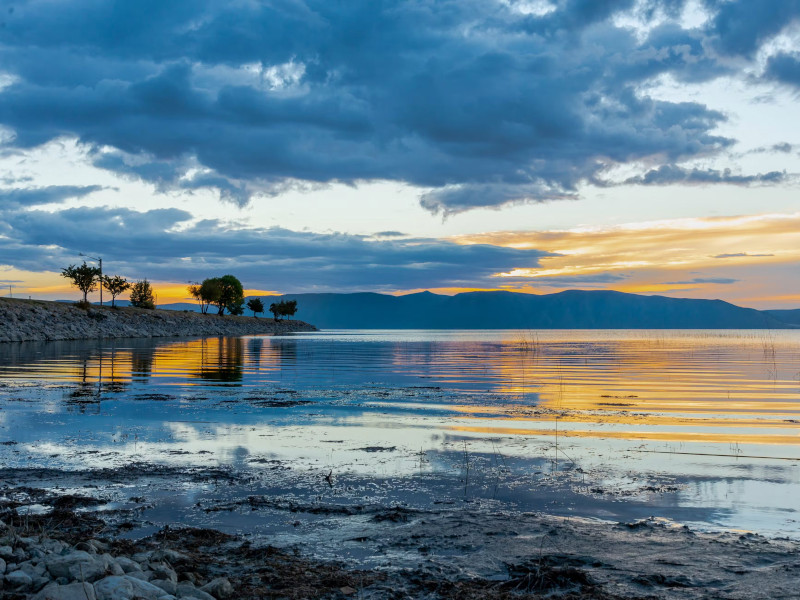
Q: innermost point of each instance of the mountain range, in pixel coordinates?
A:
(573, 309)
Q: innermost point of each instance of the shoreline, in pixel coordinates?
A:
(42, 321)
(465, 552)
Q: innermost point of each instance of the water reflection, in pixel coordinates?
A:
(221, 360)
(674, 386)
(715, 412)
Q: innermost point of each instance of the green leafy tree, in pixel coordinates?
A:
(256, 305)
(115, 286)
(84, 278)
(142, 295)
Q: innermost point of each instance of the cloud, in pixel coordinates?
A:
(672, 174)
(739, 255)
(740, 27)
(784, 67)
(175, 248)
(715, 280)
(478, 103)
(19, 197)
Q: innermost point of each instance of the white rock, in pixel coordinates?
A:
(72, 591)
(126, 588)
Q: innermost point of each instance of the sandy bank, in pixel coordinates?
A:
(35, 320)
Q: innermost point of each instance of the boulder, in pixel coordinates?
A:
(72, 591)
(19, 580)
(78, 565)
(219, 587)
(187, 590)
(125, 587)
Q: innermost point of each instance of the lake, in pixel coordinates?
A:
(697, 427)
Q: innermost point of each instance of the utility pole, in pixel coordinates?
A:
(100, 261)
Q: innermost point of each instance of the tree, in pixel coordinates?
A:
(283, 308)
(115, 286)
(194, 292)
(289, 307)
(225, 292)
(256, 305)
(210, 291)
(275, 309)
(84, 278)
(142, 295)
(232, 295)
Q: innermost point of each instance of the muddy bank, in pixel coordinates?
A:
(34, 320)
(68, 547)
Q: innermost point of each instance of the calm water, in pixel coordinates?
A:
(702, 427)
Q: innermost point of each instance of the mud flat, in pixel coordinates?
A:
(34, 320)
(56, 543)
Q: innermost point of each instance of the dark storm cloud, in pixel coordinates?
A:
(671, 174)
(740, 27)
(272, 258)
(18, 197)
(479, 102)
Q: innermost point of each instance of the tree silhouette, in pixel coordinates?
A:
(84, 278)
(210, 291)
(231, 295)
(115, 286)
(142, 295)
(256, 305)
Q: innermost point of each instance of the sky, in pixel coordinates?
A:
(647, 146)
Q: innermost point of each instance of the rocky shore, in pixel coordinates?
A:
(35, 320)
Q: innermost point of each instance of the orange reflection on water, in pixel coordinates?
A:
(667, 436)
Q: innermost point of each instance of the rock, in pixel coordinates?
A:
(143, 575)
(128, 565)
(78, 565)
(19, 580)
(163, 571)
(6, 552)
(72, 591)
(187, 590)
(2, 566)
(111, 565)
(33, 570)
(126, 587)
(167, 585)
(219, 587)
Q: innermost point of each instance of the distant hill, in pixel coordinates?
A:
(574, 309)
(790, 316)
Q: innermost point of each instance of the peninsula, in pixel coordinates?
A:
(36, 320)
